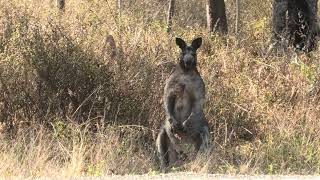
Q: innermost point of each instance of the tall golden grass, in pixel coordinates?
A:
(72, 103)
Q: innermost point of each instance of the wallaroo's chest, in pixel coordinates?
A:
(190, 82)
(187, 81)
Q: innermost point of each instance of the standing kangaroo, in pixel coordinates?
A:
(184, 96)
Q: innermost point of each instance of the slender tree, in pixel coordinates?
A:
(237, 16)
(119, 7)
(170, 15)
(216, 16)
(279, 19)
(61, 4)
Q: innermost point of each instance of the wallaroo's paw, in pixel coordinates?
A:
(176, 127)
(187, 124)
(171, 120)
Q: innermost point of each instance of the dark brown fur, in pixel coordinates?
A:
(184, 96)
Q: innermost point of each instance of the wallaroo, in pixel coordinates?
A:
(184, 96)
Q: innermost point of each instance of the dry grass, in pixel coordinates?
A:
(75, 151)
(72, 104)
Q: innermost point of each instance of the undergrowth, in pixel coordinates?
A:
(81, 90)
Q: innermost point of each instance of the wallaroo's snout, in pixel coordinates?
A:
(189, 61)
(188, 56)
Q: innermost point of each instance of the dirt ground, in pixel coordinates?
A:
(184, 176)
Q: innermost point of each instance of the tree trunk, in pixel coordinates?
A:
(279, 19)
(216, 16)
(120, 7)
(61, 4)
(295, 22)
(237, 16)
(170, 15)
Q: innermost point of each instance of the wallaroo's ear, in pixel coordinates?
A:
(180, 42)
(196, 43)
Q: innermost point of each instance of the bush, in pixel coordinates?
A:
(90, 79)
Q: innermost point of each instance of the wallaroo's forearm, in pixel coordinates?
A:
(169, 106)
(197, 107)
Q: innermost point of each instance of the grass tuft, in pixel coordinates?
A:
(81, 90)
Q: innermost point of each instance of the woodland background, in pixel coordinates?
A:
(81, 90)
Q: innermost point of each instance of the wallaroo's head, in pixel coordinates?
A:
(188, 56)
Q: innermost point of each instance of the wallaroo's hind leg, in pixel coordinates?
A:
(166, 152)
(162, 144)
(205, 140)
(197, 126)
(203, 144)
